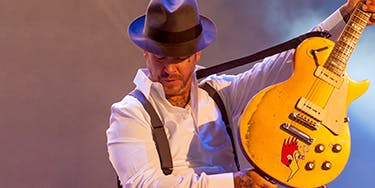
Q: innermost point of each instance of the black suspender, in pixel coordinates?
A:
(158, 133)
(160, 137)
(219, 102)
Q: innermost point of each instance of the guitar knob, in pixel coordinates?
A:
(326, 165)
(319, 148)
(309, 165)
(336, 148)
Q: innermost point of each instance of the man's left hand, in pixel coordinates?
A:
(369, 6)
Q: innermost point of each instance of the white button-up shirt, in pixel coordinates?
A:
(201, 149)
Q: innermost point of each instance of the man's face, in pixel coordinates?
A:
(174, 73)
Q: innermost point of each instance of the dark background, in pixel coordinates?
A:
(64, 62)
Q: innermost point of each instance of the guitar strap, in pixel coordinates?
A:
(158, 132)
(293, 43)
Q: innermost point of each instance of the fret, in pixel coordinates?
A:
(357, 27)
(351, 35)
(341, 58)
(335, 64)
(334, 69)
(345, 42)
(342, 49)
(349, 41)
(345, 54)
(360, 19)
(345, 45)
(338, 63)
(365, 15)
(353, 31)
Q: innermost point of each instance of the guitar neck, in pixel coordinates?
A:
(346, 43)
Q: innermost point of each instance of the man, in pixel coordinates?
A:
(172, 34)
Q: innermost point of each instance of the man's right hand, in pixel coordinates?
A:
(250, 178)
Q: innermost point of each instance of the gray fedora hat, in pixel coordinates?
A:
(172, 28)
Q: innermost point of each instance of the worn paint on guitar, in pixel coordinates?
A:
(297, 131)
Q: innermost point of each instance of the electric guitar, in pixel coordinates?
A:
(297, 131)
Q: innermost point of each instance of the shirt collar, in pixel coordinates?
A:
(145, 85)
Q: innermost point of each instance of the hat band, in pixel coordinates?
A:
(174, 37)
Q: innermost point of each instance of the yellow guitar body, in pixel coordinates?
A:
(297, 131)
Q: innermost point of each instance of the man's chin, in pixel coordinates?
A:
(172, 91)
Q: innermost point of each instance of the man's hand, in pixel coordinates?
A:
(251, 179)
(369, 6)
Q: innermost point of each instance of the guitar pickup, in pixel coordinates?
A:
(329, 77)
(311, 109)
(304, 120)
(290, 129)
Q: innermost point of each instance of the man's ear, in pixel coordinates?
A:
(198, 56)
(145, 54)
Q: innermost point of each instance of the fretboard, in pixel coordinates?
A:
(347, 41)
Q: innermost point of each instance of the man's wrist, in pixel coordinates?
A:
(250, 178)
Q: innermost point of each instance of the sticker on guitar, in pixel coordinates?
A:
(291, 155)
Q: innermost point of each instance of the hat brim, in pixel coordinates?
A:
(136, 34)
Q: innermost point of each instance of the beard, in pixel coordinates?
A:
(175, 84)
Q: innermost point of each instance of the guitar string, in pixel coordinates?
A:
(319, 86)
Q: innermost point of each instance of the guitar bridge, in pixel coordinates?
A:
(287, 127)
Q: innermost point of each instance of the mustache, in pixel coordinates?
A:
(167, 76)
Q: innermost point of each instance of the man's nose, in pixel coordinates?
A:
(170, 67)
(170, 63)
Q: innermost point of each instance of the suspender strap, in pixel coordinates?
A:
(118, 182)
(160, 137)
(216, 97)
(158, 133)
